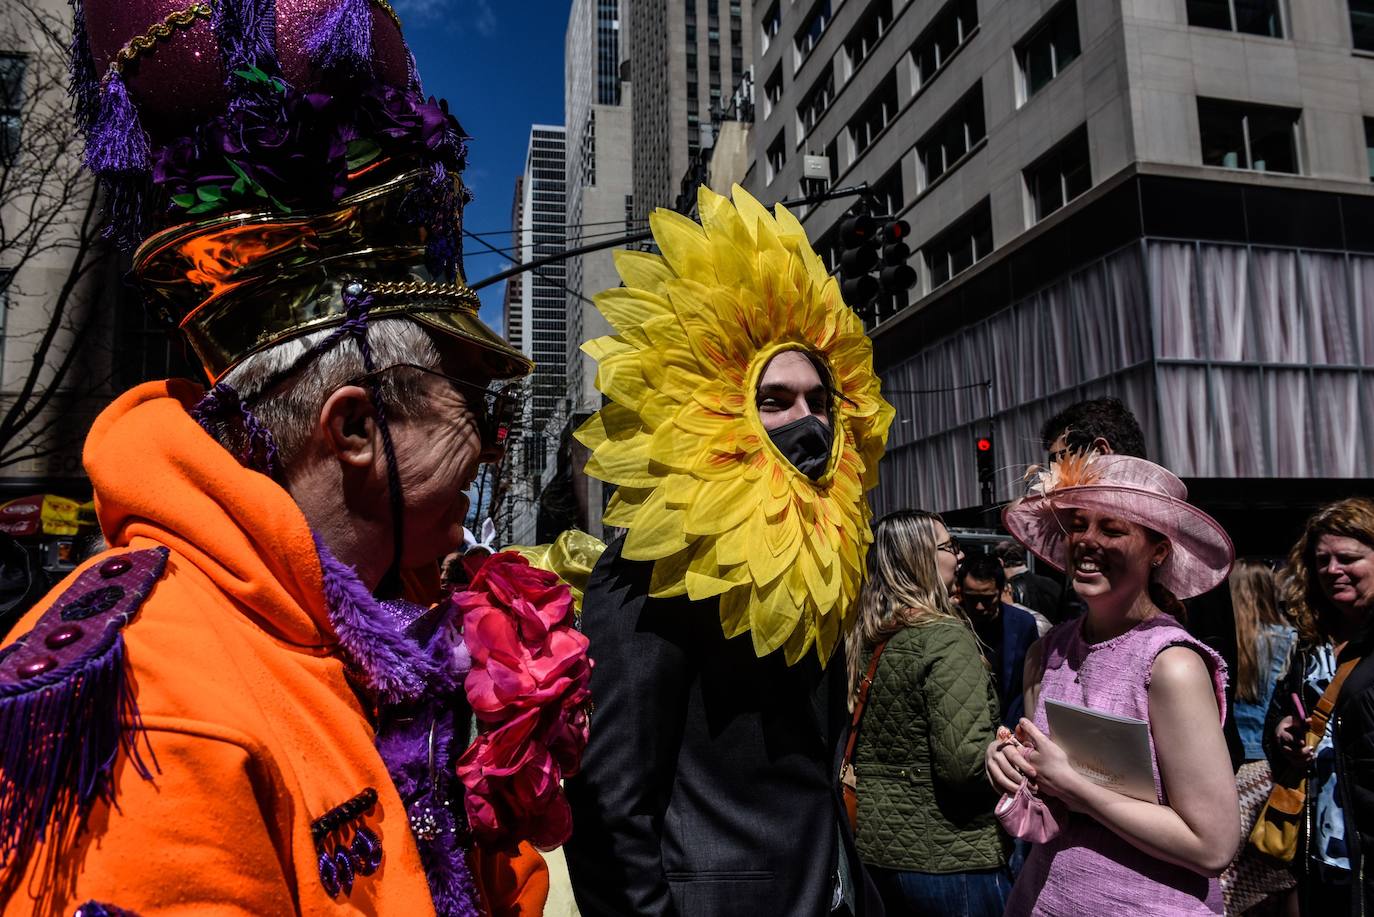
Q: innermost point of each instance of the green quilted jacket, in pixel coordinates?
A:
(924, 803)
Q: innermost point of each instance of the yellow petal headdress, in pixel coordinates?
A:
(702, 489)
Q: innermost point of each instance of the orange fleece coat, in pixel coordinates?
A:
(242, 691)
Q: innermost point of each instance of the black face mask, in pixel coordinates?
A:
(806, 444)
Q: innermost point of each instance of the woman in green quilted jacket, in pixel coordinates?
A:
(925, 826)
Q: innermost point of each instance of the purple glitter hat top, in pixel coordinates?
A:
(195, 109)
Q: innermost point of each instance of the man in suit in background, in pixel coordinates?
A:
(1005, 631)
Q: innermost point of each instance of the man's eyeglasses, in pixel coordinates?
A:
(493, 409)
(973, 600)
(949, 547)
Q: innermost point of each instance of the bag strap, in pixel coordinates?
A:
(859, 703)
(1316, 722)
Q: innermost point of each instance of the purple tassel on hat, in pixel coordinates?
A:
(116, 144)
(342, 43)
(247, 38)
(85, 82)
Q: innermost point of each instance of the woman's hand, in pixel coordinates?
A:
(1005, 762)
(1054, 775)
(1291, 735)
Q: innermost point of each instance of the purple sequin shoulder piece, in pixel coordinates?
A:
(66, 705)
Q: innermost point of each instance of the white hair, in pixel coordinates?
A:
(291, 406)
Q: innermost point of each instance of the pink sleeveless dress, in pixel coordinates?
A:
(1088, 870)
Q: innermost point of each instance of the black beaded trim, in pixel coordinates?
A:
(341, 815)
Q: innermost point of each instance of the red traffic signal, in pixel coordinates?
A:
(987, 470)
(895, 231)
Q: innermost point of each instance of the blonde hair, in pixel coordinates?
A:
(903, 587)
(1311, 610)
(1255, 598)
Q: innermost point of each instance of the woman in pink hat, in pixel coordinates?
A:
(1134, 547)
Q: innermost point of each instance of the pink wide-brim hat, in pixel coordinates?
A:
(1129, 488)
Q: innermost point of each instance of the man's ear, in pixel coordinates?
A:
(348, 420)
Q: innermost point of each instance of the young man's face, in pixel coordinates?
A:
(980, 598)
(789, 390)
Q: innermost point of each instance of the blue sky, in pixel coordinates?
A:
(500, 65)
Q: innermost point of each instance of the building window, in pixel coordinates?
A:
(886, 193)
(772, 24)
(870, 30)
(1243, 136)
(777, 158)
(1362, 24)
(11, 105)
(1059, 177)
(1254, 17)
(961, 246)
(814, 104)
(1369, 145)
(772, 92)
(1048, 49)
(947, 32)
(813, 27)
(876, 114)
(953, 138)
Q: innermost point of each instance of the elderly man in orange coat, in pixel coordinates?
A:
(253, 703)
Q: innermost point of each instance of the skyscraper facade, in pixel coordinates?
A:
(513, 302)
(1169, 202)
(685, 60)
(600, 193)
(599, 176)
(544, 327)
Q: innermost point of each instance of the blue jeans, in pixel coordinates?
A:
(956, 894)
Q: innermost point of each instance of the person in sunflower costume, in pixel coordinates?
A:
(259, 701)
(743, 428)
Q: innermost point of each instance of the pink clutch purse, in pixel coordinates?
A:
(1027, 816)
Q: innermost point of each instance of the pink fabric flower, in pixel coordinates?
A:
(528, 689)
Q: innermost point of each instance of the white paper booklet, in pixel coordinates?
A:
(1111, 751)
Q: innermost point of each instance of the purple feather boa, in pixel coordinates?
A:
(410, 657)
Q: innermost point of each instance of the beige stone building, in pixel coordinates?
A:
(1165, 200)
(58, 283)
(685, 60)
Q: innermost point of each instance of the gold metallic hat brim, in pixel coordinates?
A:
(241, 283)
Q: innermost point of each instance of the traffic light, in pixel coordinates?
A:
(987, 471)
(896, 276)
(858, 255)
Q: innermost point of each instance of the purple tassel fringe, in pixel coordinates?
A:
(342, 43)
(116, 144)
(85, 82)
(87, 717)
(247, 38)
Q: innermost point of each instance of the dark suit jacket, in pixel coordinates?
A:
(709, 784)
(1008, 638)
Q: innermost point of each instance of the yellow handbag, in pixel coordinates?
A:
(1276, 830)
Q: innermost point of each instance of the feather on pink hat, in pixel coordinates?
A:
(1128, 488)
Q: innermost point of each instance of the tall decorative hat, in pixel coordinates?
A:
(705, 493)
(276, 163)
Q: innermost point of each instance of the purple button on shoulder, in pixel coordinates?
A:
(115, 566)
(37, 667)
(64, 636)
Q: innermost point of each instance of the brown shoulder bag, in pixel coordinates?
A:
(849, 781)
